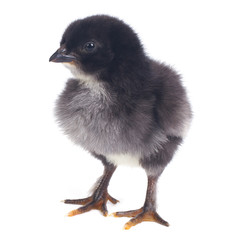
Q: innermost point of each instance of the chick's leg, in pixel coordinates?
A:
(99, 197)
(148, 211)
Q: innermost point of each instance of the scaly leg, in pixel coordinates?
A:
(99, 197)
(148, 211)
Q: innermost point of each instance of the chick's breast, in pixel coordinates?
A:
(97, 123)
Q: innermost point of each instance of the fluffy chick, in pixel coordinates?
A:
(121, 106)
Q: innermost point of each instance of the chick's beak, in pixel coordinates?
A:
(61, 56)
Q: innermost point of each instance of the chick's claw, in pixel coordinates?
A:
(94, 205)
(82, 201)
(91, 203)
(139, 216)
(131, 213)
(112, 200)
(73, 213)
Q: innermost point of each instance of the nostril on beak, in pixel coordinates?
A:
(64, 51)
(61, 55)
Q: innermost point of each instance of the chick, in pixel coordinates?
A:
(121, 106)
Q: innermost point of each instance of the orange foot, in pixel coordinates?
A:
(140, 215)
(90, 204)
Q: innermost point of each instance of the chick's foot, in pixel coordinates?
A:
(140, 215)
(90, 203)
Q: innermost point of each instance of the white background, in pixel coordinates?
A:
(198, 194)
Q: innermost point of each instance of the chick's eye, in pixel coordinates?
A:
(89, 46)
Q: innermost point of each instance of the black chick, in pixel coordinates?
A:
(121, 106)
